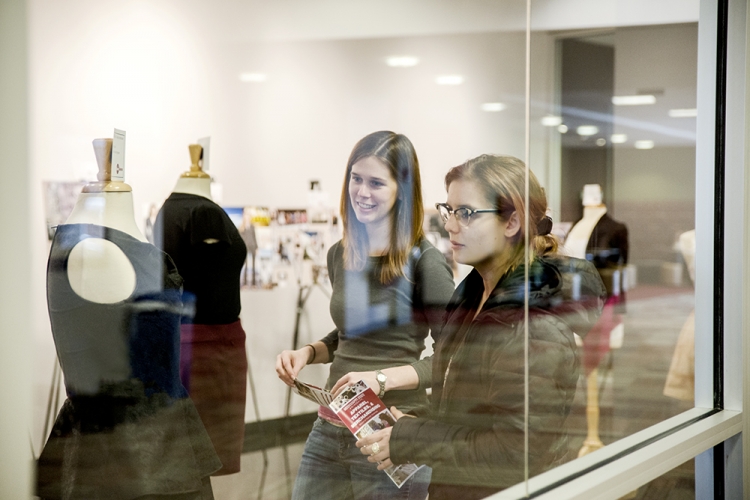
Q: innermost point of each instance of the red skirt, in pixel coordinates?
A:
(213, 368)
(596, 342)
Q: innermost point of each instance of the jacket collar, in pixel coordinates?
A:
(545, 282)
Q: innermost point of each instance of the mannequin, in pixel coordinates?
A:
(601, 239)
(604, 241)
(209, 253)
(680, 382)
(127, 428)
(97, 269)
(195, 181)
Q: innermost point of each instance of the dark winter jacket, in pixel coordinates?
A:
(472, 435)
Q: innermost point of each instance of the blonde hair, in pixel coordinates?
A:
(502, 179)
(397, 153)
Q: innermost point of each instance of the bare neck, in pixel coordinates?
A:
(379, 237)
(113, 210)
(491, 273)
(198, 187)
(594, 211)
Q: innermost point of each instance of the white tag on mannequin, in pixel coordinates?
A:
(205, 143)
(118, 155)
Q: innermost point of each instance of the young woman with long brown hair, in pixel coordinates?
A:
(390, 288)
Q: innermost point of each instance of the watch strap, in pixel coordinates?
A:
(378, 375)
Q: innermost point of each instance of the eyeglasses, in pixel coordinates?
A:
(462, 215)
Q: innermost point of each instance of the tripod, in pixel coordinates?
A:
(319, 272)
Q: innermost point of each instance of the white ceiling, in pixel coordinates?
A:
(277, 20)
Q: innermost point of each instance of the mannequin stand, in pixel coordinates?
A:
(592, 441)
(53, 401)
(53, 405)
(254, 395)
(302, 297)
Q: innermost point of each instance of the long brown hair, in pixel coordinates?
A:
(502, 179)
(397, 153)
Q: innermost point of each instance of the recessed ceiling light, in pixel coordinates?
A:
(253, 77)
(633, 100)
(401, 61)
(492, 106)
(449, 80)
(563, 129)
(644, 144)
(587, 130)
(601, 141)
(683, 113)
(551, 121)
(618, 138)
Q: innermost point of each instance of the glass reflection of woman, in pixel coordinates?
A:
(472, 435)
(390, 288)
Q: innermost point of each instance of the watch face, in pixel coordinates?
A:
(381, 377)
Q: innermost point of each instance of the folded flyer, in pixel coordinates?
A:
(362, 411)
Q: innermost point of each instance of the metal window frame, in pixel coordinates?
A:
(715, 432)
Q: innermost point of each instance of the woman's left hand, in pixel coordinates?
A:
(381, 453)
(352, 378)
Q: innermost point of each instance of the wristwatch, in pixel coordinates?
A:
(381, 378)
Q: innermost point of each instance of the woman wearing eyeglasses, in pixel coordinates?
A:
(390, 288)
(473, 432)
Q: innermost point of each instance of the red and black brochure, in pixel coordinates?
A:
(362, 411)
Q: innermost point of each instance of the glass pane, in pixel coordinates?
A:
(613, 143)
(286, 93)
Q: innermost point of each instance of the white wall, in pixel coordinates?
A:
(150, 70)
(654, 190)
(15, 312)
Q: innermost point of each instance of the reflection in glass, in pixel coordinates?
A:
(613, 109)
(625, 202)
(677, 484)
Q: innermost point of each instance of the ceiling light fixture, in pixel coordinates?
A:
(618, 138)
(449, 80)
(683, 113)
(587, 130)
(492, 107)
(551, 121)
(563, 129)
(644, 144)
(401, 61)
(633, 100)
(253, 77)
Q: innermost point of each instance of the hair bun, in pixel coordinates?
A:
(544, 226)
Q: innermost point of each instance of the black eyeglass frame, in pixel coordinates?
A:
(470, 212)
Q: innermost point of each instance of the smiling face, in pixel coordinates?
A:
(372, 191)
(486, 242)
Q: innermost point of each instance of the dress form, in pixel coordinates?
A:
(587, 240)
(680, 382)
(99, 271)
(106, 202)
(593, 210)
(209, 252)
(194, 181)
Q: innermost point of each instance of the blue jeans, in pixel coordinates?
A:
(332, 467)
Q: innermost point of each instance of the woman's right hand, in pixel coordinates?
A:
(290, 363)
